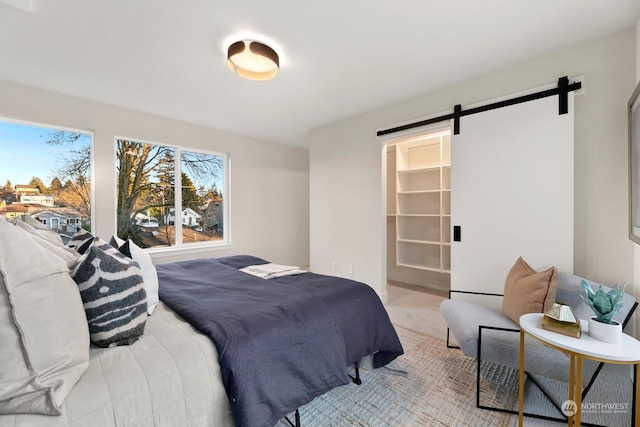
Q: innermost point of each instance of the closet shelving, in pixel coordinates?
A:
(422, 203)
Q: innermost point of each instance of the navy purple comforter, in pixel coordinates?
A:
(281, 342)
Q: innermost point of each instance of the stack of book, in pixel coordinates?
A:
(561, 319)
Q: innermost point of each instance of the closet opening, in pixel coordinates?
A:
(418, 209)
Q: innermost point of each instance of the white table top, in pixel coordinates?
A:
(628, 351)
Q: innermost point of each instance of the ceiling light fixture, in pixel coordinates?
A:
(253, 60)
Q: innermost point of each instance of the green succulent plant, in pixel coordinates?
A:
(604, 305)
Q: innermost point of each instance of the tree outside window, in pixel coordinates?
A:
(151, 212)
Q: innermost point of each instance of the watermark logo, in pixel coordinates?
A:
(605, 407)
(569, 408)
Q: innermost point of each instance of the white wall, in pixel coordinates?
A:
(638, 50)
(269, 214)
(346, 177)
(636, 275)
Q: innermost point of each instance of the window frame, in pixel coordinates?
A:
(180, 246)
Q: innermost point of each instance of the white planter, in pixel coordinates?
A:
(607, 332)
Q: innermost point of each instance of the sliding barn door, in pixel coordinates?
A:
(511, 193)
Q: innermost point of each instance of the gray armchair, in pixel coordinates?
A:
(485, 334)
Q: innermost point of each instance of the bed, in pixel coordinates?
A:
(281, 341)
(169, 377)
(207, 352)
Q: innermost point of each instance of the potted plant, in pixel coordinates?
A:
(605, 305)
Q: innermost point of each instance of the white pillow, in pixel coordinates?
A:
(43, 328)
(149, 274)
(45, 233)
(34, 222)
(57, 248)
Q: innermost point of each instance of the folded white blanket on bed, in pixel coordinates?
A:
(271, 270)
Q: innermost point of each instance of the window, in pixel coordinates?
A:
(45, 173)
(149, 209)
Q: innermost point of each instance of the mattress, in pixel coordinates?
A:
(169, 377)
(283, 341)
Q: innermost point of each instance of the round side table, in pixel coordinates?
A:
(585, 347)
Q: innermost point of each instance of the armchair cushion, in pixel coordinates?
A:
(464, 319)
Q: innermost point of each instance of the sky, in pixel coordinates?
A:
(19, 140)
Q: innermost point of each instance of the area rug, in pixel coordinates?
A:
(608, 403)
(430, 385)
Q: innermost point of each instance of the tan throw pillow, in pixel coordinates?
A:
(528, 291)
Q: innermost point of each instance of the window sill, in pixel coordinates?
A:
(172, 253)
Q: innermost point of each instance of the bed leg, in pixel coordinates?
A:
(356, 379)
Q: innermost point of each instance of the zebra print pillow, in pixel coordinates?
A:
(81, 236)
(113, 296)
(100, 244)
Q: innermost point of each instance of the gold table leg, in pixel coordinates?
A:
(572, 385)
(578, 391)
(634, 403)
(521, 381)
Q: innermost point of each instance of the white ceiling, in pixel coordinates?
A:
(339, 58)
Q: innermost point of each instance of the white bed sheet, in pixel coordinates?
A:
(169, 377)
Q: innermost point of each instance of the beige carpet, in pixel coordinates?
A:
(438, 389)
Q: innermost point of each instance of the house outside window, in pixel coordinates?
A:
(152, 213)
(45, 173)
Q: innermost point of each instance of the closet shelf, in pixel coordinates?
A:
(421, 191)
(423, 203)
(419, 170)
(424, 267)
(419, 194)
(420, 242)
